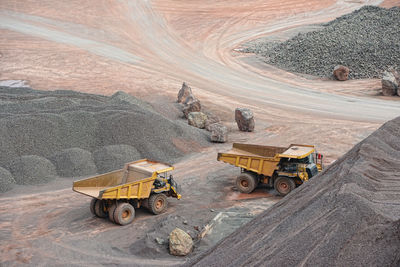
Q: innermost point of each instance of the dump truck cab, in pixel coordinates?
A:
(283, 168)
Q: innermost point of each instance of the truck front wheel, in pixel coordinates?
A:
(246, 183)
(124, 213)
(284, 185)
(157, 203)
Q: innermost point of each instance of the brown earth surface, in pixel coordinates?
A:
(148, 48)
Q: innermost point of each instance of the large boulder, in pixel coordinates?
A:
(389, 84)
(197, 119)
(341, 73)
(244, 119)
(184, 93)
(32, 170)
(219, 133)
(191, 104)
(113, 157)
(74, 162)
(180, 243)
(211, 119)
(7, 182)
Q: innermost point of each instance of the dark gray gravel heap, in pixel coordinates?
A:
(366, 41)
(74, 162)
(32, 170)
(349, 215)
(109, 158)
(7, 182)
(50, 123)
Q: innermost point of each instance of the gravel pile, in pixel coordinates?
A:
(347, 216)
(109, 158)
(70, 128)
(32, 170)
(74, 162)
(366, 41)
(7, 182)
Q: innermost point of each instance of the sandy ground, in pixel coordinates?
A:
(148, 48)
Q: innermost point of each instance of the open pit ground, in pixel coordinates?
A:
(147, 49)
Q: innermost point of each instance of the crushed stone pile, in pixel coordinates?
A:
(74, 162)
(347, 216)
(81, 134)
(7, 182)
(366, 41)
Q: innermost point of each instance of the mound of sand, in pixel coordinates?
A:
(7, 182)
(109, 158)
(32, 170)
(50, 123)
(347, 216)
(74, 162)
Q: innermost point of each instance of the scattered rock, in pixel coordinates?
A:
(341, 73)
(7, 182)
(389, 84)
(191, 105)
(244, 119)
(32, 170)
(219, 133)
(184, 93)
(211, 119)
(160, 241)
(180, 243)
(74, 162)
(185, 222)
(197, 119)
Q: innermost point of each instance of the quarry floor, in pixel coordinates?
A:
(148, 48)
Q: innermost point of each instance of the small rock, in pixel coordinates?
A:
(180, 243)
(184, 93)
(185, 222)
(244, 119)
(160, 241)
(212, 210)
(341, 73)
(219, 133)
(197, 119)
(192, 105)
(389, 84)
(196, 228)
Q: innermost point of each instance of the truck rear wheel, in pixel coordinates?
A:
(284, 185)
(124, 214)
(97, 207)
(246, 182)
(111, 212)
(157, 203)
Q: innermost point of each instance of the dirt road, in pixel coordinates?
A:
(148, 48)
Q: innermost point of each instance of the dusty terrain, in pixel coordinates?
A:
(147, 48)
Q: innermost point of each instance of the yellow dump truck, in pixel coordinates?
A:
(284, 168)
(140, 183)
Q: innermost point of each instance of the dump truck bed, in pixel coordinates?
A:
(135, 180)
(262, 159)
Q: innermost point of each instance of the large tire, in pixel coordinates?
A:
(246, 182)
(157, 203)
(99, 209)
(111, 212)
(124, 214)
(92, 204)
(284, 185)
